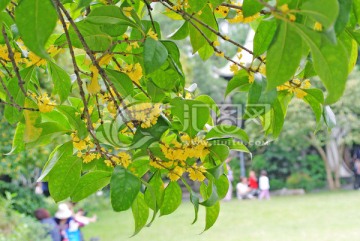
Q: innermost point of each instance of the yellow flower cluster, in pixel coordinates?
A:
(285, 9)
(152, 34)
(239, 18)
(296, 86)
(222, 10)
(187, 148)
(145, 113)
(81, 144)
(44, 103)
(196, 173)
(134, 71)
(122, 158)
(88, 157)
(318, 26)
(36, 60)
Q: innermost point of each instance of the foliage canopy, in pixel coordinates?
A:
(123, 109)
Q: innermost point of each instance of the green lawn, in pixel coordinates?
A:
(324, 216)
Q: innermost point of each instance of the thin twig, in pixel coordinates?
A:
(149, 9)
(12, 58)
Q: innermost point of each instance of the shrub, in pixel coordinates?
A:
(25, 200)
(276, 184)
(300, 180)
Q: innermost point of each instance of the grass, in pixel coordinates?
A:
(321, 216)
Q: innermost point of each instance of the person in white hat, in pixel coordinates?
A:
(69, 228)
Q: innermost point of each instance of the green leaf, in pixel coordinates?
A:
(140, 212)
(36, 20)
(216, 171)
(90, 183)
(282, 61)
(121, 81)
(107, 15)
(212, 214)
(155, 55)
(330, 62)
(323, 11)
(32, 119)
(74, 119)
(181, 33)
(62, 81)
(344, 15)
(194, 198)
(94, 37)
(124, 187)
(315, 98)
(212, 195)
(250, 7)
(192, 114)
(18, 144)
(263, 36)
(172, 199)
(3, 4)
(197, 5)
(219, 151)
(227, 131)
(196, 39)
(240, 80)
(61, 151)
(210, 102)
(154, 193)
(277, 119)
(222, 186)
(206, 51)
(64, 177)
(83, 3)
(49, 131)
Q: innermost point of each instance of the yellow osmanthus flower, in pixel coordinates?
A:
(94, 87)
(123, 159)
(175, 173)
(105, 60)
(292, 17)
(134, 71)
(135, 45)
(239, 18)
(251, 77)
(220, 54)
(35, 60)
(318, 26)
(296, 86)
(44, 103)
(234, 68)
(161, 164)
(262, 69)
(284, 8)
(145, 113)
(4, 54)
(152, 34)
(216, 43)
(196, 173)
(222, 10)
(88, 157)
(80, 144)
(127, 11)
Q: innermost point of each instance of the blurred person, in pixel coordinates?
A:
(264, 186)
(69, 227)
(82, 219)
(44, 217)
(356, 171)
(242, 189)
(253, 183)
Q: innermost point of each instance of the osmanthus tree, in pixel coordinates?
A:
(118, 96)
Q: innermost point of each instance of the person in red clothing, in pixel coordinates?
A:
(253, 183)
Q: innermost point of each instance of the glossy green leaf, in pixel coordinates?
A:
(172, 198)
(222, 186)
(250, 7)
(227, 131)
(212, 214)
(194, 198)
(219, 151)
(323, 11)
(62, 82)
(210, 102)
(74, 119)
(182, 32)
(212, 195)
(154, 193)
(197, 5)
(124, 187)
(344, 15)
(18, 144)
(64, 177)
(315, 98)
(282, 61)
(32, 119)
(36, 20)
(140, 212)
(330, 62)
(3, 4)
(263, 36)
(121, 81)
(241, 79)
(90, 183)
(192, 114)
(155, 55)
